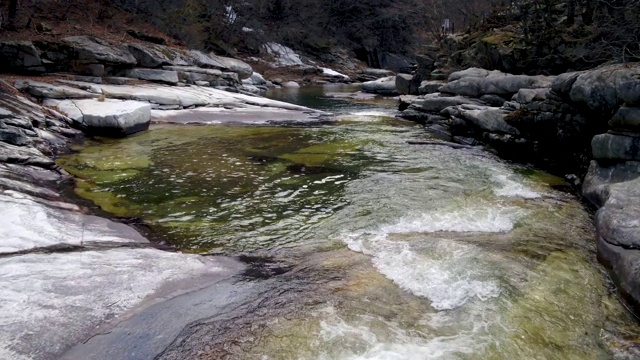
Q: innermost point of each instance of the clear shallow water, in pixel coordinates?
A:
(406, 252)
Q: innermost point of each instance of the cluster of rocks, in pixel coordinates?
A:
(54, 256)
(425, 78)
(564, 123)
(100, 61)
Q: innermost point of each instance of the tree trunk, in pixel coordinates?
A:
(11, 15)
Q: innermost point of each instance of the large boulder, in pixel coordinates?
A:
(239, 67)
(600, 176)
(498, 84)
(403, 83)
(109, 117)
(618, 228)
(489, 119)
(470, 72)
(616, 147)
(221, 63)
(599, 89)
(87, 49)
(157, 75)
(384, 86)
(20, 57)
(627, 118)
(429, 87)
(149, 56)
(629, 92)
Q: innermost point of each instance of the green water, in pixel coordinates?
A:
(406, 252)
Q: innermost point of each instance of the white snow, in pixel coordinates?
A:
(330, 72)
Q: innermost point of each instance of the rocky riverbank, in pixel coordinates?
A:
(61, 267)
(568, 124)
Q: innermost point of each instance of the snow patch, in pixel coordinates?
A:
(330, 72)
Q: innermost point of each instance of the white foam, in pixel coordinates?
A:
(447, 272)
(511, 188)
(499, 219)
(360, 342)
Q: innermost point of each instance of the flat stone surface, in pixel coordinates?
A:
(28, 224)
(92, 50)
(616, 147)
(194, 69)
(108, 117)
(24, 155)
(75, 293)
(436, 103)
(50, 91)
(164, 76)
(504, 84)
(629, 92)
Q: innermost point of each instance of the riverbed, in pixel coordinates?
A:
(362, 244)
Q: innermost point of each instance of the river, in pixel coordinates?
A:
(363, 245)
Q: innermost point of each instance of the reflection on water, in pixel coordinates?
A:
(397, 251)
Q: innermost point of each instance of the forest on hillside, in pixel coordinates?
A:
(585, 32)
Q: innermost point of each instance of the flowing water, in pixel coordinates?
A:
(382, 249)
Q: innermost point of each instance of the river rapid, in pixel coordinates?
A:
(363, 245)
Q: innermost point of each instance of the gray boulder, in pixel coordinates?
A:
(616, 147)
(157, 75)
(377, 73)
(489, 119)
(222, 63)
(525, 96)
(429, 87)
(624, 266)
(149, 56)
(257, 79)
(20, 56)
(50, 91)
(493, 100)
(384, 86)
(4, 113)
(561, 86)
(471, 72)
(91, 50)
(503, 84)
(109, 117)
(600, 176)
(291, 85)
(598, 89)
(403, 83)
(435, 103)
(627, 118)
(630, 92)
